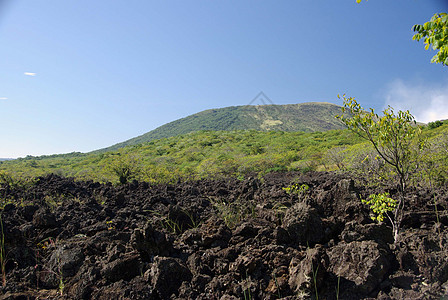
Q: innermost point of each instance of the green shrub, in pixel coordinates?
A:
(435, 124)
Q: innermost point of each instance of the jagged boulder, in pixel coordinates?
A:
(363, 264)
(166, 275)
(303, 224)
(312, 268)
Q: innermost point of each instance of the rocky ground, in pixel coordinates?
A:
(219, 239)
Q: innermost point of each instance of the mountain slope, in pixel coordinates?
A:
(307, 117)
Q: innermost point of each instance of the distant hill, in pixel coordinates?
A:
(307, 117)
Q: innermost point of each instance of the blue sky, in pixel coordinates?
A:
(79, 75)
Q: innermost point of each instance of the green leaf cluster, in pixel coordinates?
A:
(435, 34)
(296, 189)
(380, 204)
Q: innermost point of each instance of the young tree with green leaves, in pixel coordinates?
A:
(394, 137)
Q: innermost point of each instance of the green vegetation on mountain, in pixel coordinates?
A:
(240, 153)
(307, 117)
(196, 154)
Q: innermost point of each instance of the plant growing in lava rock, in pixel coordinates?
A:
(54, 270)
(381, 204)
(233, 212)
(394, 137)
(2, 253)
(297, 189)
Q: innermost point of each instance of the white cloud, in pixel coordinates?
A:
(3, 98)
(29, 74)
(427, 102)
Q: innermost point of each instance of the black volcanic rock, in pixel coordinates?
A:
(128, 247)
